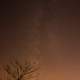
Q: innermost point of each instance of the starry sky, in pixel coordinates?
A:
(49, 29)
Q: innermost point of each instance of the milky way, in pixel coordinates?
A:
(45, 28)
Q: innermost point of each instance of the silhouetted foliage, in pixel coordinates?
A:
(17, 71)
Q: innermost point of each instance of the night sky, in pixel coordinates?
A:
(48, 30)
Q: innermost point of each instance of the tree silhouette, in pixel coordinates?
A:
(17, 71)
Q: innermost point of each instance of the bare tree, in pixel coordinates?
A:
(17, 71)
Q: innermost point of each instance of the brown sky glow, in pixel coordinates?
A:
(46, 28)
